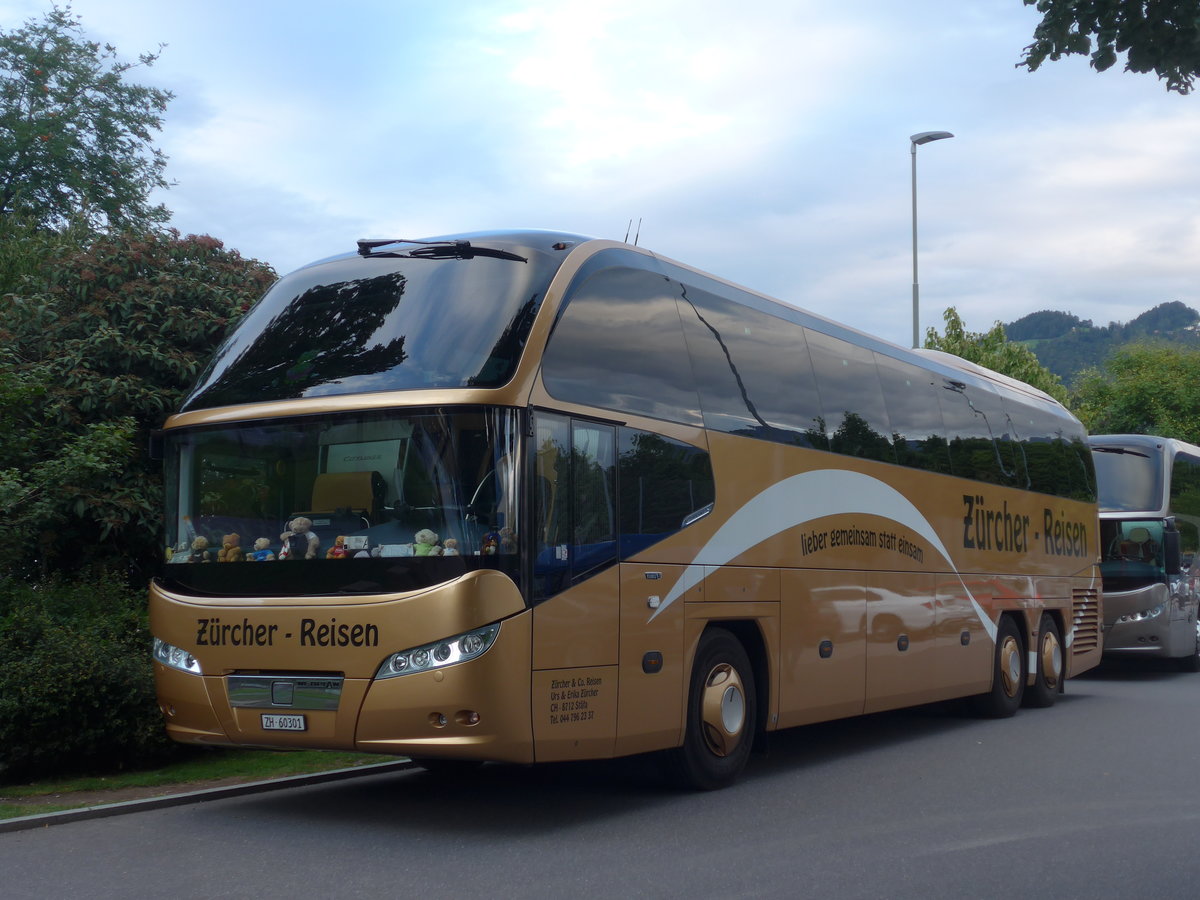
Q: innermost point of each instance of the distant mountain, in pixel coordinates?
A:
(1066, 344)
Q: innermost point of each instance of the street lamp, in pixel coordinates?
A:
(923, 138)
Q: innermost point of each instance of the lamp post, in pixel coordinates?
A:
(923, 138)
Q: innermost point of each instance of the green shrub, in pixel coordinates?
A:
(76, 682)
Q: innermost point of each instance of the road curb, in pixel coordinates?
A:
(44, 820)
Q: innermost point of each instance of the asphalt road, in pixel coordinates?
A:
(1093, 798)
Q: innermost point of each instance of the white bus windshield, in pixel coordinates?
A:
(1128, 480)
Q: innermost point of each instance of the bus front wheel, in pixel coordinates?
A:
(721, 713)
(1049, 677)
(1008, 675)
(447, 768)
(1191, 663)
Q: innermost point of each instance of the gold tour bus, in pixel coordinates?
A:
(1149, 491)
(529, 497)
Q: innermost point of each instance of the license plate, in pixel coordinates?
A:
(272, 722)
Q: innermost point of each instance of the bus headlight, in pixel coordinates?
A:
(449, 652)
(1141, 615)
(175, 657)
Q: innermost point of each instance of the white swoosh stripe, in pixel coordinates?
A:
(805, 498)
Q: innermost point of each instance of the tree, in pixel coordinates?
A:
(1160, 36)
(75, 133)
(1143, 389)
(97, 348)
(995, 351)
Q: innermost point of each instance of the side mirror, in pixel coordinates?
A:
(1171, 552)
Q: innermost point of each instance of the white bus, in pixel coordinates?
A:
(1149, 490)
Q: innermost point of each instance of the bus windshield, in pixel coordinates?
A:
(365, 503)
(1133, 552)
(353, 325)
(1128, 480)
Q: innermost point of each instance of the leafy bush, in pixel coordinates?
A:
(76, 683)
(99, 342)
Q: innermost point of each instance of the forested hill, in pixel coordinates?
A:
(1065, 344)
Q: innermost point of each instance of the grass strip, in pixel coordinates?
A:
(194, 773)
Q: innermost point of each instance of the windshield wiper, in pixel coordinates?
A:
(1123, 451)
(433, 250)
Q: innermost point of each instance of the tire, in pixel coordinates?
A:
(1008, 675)
(1047, 684)
(448, 768)
(1192, 663)
(721, 715)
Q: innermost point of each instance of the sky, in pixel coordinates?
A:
(766, 144)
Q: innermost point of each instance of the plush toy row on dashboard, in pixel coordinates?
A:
(301, 542)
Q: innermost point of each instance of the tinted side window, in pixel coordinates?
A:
(852, 407)
(575, 501)
(1055, 453)
(594, 498)
(1056, 457)
(752, 370)
(618, 345)
(1185, 503)
(664, 484)
(552, 505)
(598, 488)
(918, 436)
(979, 432)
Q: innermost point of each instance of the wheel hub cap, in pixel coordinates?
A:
(1052, 660)
(1010, 666)
(723, 710)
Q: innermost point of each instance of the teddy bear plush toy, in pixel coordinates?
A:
(261, 552)
(450, 547)
(231, 549)
(339, 550)
(299, 540)
(200, 552)
(508, 540)
(425, 543)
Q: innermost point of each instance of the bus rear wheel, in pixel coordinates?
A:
(1008, 675)
(721, 713)
(1049, 677)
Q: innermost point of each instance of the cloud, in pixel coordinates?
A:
(768, 144)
